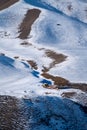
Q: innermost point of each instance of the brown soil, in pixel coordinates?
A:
(33, 64)
(29, 19)
(6, 3)
(60, 82)
(80, 86)
(68, 94)
(57, 58)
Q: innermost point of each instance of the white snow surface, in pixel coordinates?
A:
(55, 29)
(61, 27)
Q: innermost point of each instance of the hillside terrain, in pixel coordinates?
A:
(43, 65)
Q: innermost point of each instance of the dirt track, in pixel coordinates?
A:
(6, 3)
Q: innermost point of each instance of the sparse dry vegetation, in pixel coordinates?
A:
(11, 116)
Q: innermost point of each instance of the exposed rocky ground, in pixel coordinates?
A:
(41, 113)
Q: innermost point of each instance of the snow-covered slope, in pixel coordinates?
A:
(18, 79)
(62, 33)
(55, 48)
(65, 33)
(75, 8)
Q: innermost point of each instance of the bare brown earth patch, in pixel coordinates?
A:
(68, 94)
(81, 86)
(27, 22)
(6, 3)
(33, 64)
(57, 80)
(57, 58)
(61, 83)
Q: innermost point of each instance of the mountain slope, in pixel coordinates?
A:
(43, 61)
